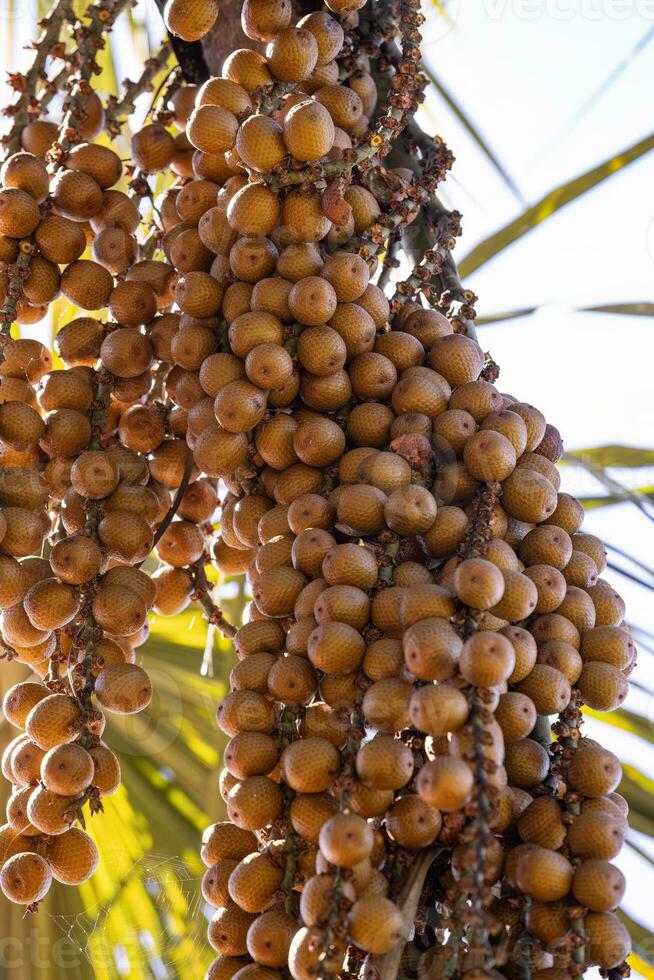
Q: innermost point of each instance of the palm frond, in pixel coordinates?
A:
(621, 309)
(552, 202)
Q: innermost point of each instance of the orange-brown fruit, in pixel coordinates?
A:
(384, 763)
(268, 940)
(26, 172)
(310, 765)
(52, 814)
(254, 882)
(438, 710)
(67, 770)
(254, 803)
(598, 885)
(412, 822)
(516, 715)
(345, 839)
(603, 687)
(445, 783)
(327, 32)
(19, 213)
(76, 194)
(225, 841)
(25, 878)
(608, 941)
(292, 54)
(432, 649)
(548, 688)
(253, 210)
(543, 874)
(375, 924)
(20, 699)
(596, 835)
(260, 143)
(189, 20)
(247, 68)
(152, 148)
(309, 134)
(72, 857)
(227, 930)
(123, 688)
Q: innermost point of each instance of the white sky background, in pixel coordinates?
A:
(522, 70)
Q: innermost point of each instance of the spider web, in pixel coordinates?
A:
(160, 936)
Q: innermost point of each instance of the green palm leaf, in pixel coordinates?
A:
(622, 309)
(550, 204)
(613, 456)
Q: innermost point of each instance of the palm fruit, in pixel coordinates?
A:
(50, 813)
(602, 686)
(608, 940)
(67, 770)
(254, 803)
(432, 649)
(543, 874)
(526, 763)
(412, 822)
(72, 857)
(308, 132)
(445, 783)
(598, 885)
(25, 878)
(596, 835)
(345, 840)
(19, 701)
(292, 54)
(53, 721)
(322, 410)
(26, 172)
(260, 143)
(486, 660)
(594, 771)
(384, 763)
(228, 930)
(262, 19)
(254, 882)
(268, 940)
(123, 688)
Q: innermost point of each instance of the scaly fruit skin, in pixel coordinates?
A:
(190, 21)
(62, 447)
(421, 589)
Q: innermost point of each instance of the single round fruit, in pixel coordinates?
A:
(25, 878)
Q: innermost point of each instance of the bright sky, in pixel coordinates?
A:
(525, 71)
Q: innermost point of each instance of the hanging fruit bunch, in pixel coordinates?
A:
(87, 469)
(407, 785)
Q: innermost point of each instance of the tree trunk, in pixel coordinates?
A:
(201, 59)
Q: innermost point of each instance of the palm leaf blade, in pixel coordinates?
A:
(550, 204)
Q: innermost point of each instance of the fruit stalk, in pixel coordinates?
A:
(22, 109)
(120, 108)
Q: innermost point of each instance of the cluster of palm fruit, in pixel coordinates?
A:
(425, 602)
(422, 591)
(86, 482)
